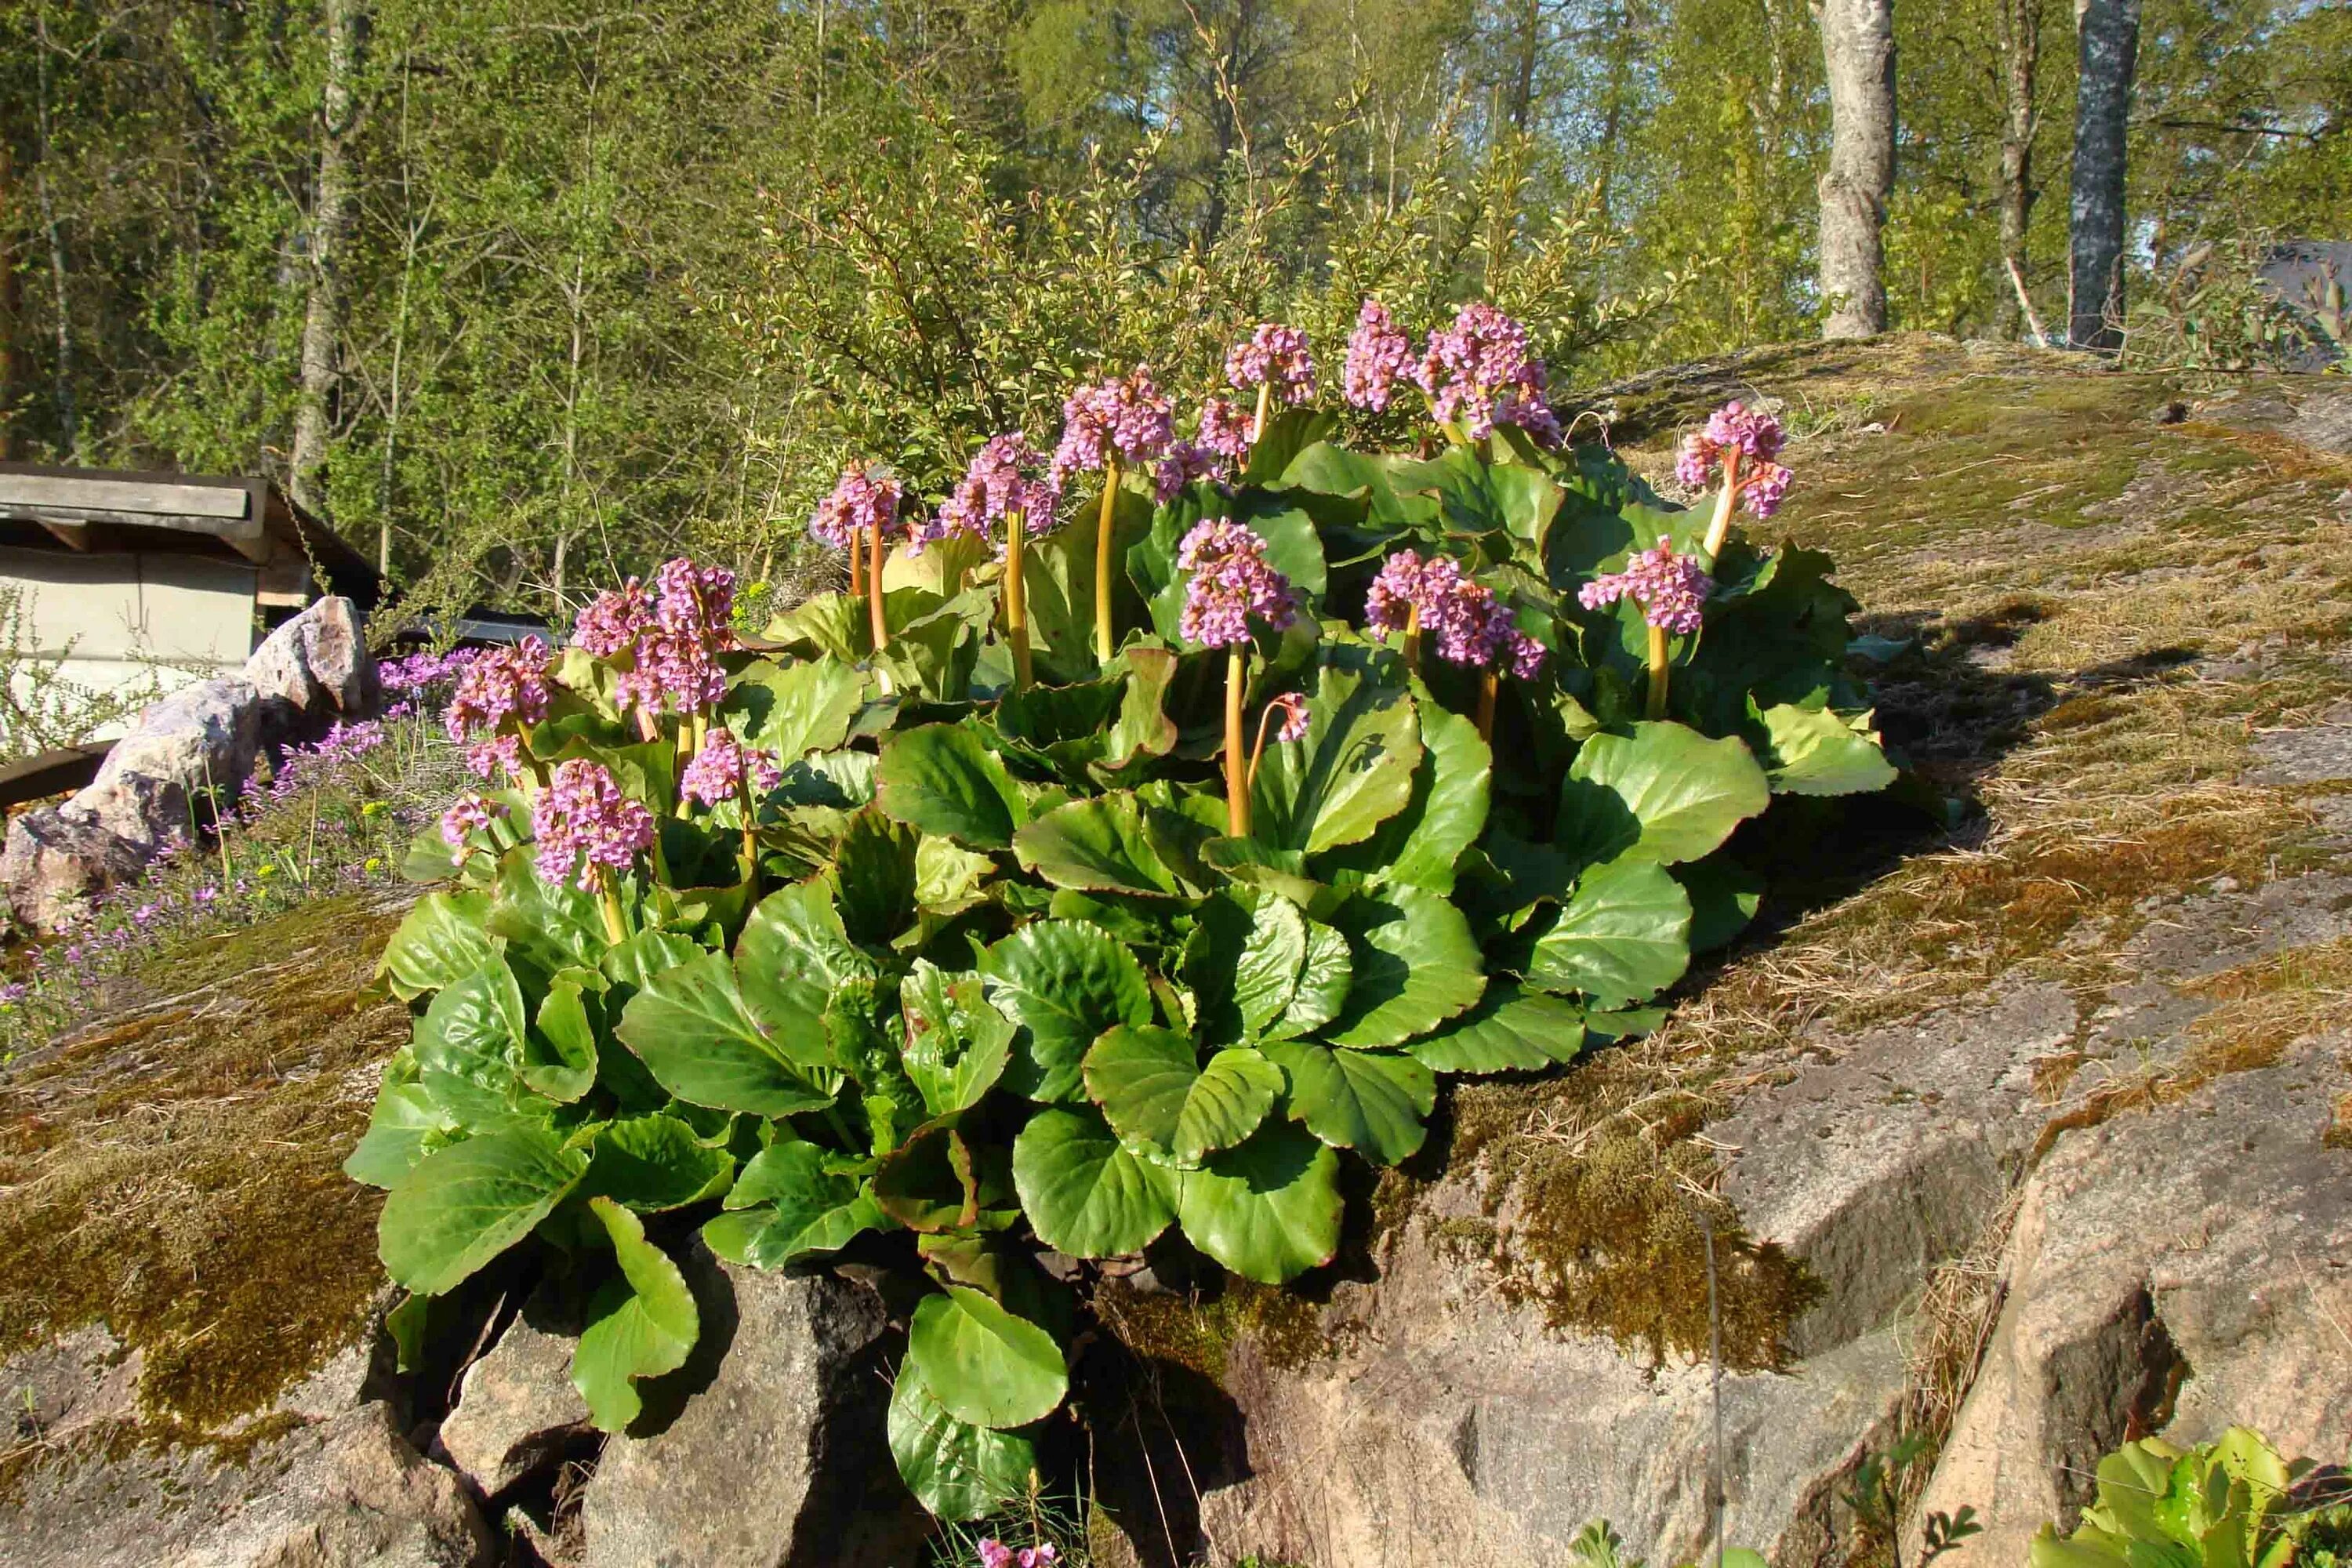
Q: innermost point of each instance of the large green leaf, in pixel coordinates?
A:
(1269, 1210)
(640, 1325)
(942, 779)
(794, 709)
(1684, 794)
(986, 1364)
(957, 1042)
(1324, 981)
(927, 1184)
(1416, 965)
(1510, 1030)
(788, 1204)
(1153, 1088)
(1352, 771)
(1374, 1102)
(464, 1204)
(440, 940)
(1064, 983)
(874, 877)
(559, 1052)
(1623, 937)
(1265, 976)
(794, 954)
(553, 925)
(1095, 845)
(1422, 843)
(693, 1030)
(957, 1470)
(468, 1042)
(654, 1162)
(1084, 1193)
(1814, 752)
(405, 1117)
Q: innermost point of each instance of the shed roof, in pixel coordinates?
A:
(100, 511)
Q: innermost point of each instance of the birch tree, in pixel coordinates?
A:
(2108, 51)
(1858, 58)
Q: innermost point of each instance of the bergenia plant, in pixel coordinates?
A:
(1482, 373)
(1124, 421)
(1472, 626)
(1672, 589)
(864, 505)
(1275, 361)
(1740, 445)
(1231, 588)
(1007, 486)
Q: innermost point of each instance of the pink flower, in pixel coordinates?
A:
(1755, 436)
(1231, 582)
(582, 818)
(864, 497)
(1378, 355)
(1225, 428)
(500, 684)
(1291, 722)
(994, 1553)
(1407, 582)
(1041, 1555)
(1275, 356)
(1671, 589)
(717, 770)
(1481, 374)
(470, 811)
(1185, 461)
(1466, 621)
(1125, 418)
(1002, 480)
(500, 756)
(613, 620)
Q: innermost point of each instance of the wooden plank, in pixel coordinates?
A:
(51, 772)
(126, 495)
(245, 535)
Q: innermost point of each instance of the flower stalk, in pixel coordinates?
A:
(1239, 771)
(1103, 644)
(608, 903)
(874, 589)
(1016, 601)
(1660, 664)
(1720, 526)
(1489, 686)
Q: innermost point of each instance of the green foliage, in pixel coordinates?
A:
(2222, 1504)
(987, 971)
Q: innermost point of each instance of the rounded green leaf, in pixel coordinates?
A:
(1812, 750)
(1095, 845)
(1064, 983)
(440, 940)
(985, 1365)
(794, 954)
(1421, 844)
(1351, 773)
(1324, 981)
(641, 1324)
(1265, 975)
(1140, 1074)
(462, 1205)
(1510, 1030)
(1686, 793)
(1623, 937)
(559, 1053)
(1371, 1102)
(794, 709)
(691, 1029)
(788, 1203)
(942, 779)
(468, 1042)
(956, 1043)
(404, 1118)
(654, 1162)
(1084, 1193)
(1270, 1209)
(1416, 965)
(955, 1468)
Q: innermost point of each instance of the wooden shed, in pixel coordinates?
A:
(127, 580)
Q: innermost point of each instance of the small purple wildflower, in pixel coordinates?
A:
(865, 497)
(1002, 480)
(1671, 589)
(582, 819)
(1748, 436)
(1291, 706)
(1378, 356)
(1466, 621)
(1125, 418)
(717, 769)
(469, 812)
(1185, 461)
(1231, 582)
(1275, 356)
(613, 620)
(1224, 427)
(500, 684)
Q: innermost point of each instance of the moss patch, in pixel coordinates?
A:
(1198, 1333)
(175, 1172)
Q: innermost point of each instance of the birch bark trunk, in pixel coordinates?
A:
(1858, 57)
(2108, 46)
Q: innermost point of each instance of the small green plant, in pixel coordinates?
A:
(2220, 1505)
(1598, 1545)
(1876, 1496)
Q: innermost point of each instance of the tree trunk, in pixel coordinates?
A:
(10, 311)
(2020, 50)
(53, 229)
(331, 222)
(2107, 34)
(1523, 67)
(1858, 54)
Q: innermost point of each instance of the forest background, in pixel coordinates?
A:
(527, 294)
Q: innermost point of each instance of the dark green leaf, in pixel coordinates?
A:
(1510, 1030)
(1371, 1102)
(464, 1204)
(654, 1162)
(1623, 937)
(1064, 983)
(957, 1470)
(940, 778)
(1097, 845)
(1351, 773)
(1084, 1193)
(1416, 965)
(1269, 1210)
(692, 1028)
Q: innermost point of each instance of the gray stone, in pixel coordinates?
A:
(2173, 1272)
(777, 1455)
(311, 672)
(517, 1409)
(55, 863)
(200, 738)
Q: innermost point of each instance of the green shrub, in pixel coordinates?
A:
(2223, 1504)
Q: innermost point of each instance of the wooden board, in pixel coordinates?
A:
(145, 497)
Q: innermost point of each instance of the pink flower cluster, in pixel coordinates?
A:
(1224, 427)
(1231, 581)
(864, 497)
(497, 685)
(1671, 589)
(583, 820)
(1185, 461)
(1002, 480)
(668, 636)
(717, 769)
(469, 812)
(1755, 437)
(1291, 708)
(1378, 356)
(1126, 418)
(994, 1553)
(1481, 373)
(1273, 355)
(1467, 623)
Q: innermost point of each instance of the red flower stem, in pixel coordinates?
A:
(1016, 600)
(1237, 769)
(874, 591)
(1103, 644)
(1257, 752)
(1720, 526)
(1656, 707)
